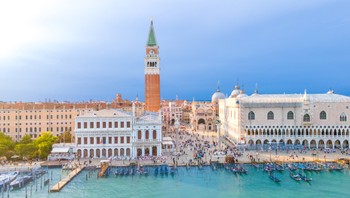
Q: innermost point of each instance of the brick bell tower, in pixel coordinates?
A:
(152, 73)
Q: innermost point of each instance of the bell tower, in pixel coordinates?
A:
(152, 73)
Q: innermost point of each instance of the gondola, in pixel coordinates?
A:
(304, 178)
(275, 179)
(295, 177)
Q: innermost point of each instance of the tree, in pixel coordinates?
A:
(65, 137)
(26, 148)
(44, 144)
(7, 146)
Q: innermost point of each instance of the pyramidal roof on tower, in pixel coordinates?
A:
(151, 36)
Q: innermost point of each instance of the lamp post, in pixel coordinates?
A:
(218, 126)
(177, 124)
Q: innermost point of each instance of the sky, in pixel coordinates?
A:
(90, 50)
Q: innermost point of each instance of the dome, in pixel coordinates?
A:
(242, 94)
(330, 91)
(235, 92)
(217, 95)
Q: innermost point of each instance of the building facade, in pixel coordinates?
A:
(110, 133)
(19, 119)
(203, 116)
(286, 120)
(152, 73)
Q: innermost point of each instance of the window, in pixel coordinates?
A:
(85, 140)
(91, 140)
(270, 115)
(115, 124)
(306, 118)
(122, 125)
(115, 140)
(251, 115)
(290, 115)
(147, 135)
(343, 117)
(91, 125)
(122, 140)
(98, 125)
(128, 139)
(109, 140)
(154, 134)
(104, 125)
(128, 124)
(79, 140)
(79, 125)
(323, 115)
(139, 134)
(85, 125)
(110, 125)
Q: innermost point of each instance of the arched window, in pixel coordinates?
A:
(251, 115)
(139, 134)
(290, 115)
(154, 134)
(270, 115)
(323, 115)
(306, 118)
(343, 117)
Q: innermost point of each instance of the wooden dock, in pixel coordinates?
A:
(57, 187)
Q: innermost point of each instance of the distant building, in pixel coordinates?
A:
(19, 119)
(301, 120)
(110, 133)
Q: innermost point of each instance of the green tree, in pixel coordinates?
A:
(7, 146)
(26, 148)
(44, 144)
(65, 137)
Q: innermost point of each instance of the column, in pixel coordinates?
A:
(150, 151)
(143, 151)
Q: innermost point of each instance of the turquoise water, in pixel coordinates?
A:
(197, 183)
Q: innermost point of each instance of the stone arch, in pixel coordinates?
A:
(98, 154)
(154, 151)
(273, 141)
(128, 153)
(258, 142)
(116, 152)
(305, 143)
(92, 153)
(79, 153)
(266, 141)
(297, 142)
(122, 152)
(313, 144)
(329, 144)
(139, 152)
(85, 153)
(104, 152)
(321, 144)
(337, 144)
(110, 152)
(345, 144)
(147, 151)
(290, 142)
(251, 142)
(306, 118)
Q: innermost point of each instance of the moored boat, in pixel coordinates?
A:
(275, 179)
(295, 177)
(20, 181)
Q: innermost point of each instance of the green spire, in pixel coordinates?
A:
(151, 36)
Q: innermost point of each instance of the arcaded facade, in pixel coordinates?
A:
(304, 120)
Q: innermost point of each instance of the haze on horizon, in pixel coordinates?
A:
(81, 50)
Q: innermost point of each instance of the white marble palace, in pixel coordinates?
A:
(110, 133)
(305, 120)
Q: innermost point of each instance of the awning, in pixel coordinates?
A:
(60, 150)
(167, 143)
(167, 139)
